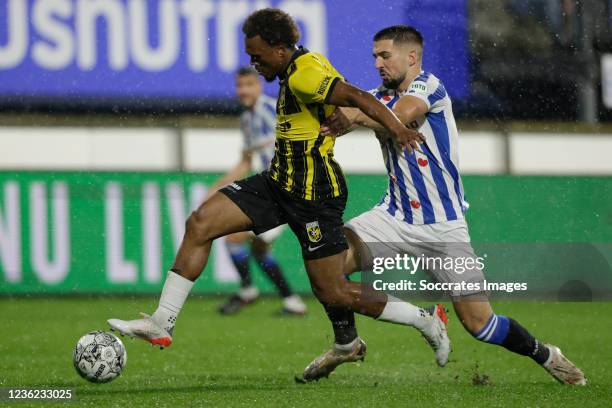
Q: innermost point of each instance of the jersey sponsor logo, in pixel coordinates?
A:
(314, 232)
(418, 87)
(323, 85)
(235, 186)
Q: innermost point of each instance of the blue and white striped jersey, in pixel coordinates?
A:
(258, 127)
(424, 188)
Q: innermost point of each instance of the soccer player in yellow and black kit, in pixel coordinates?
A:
(304, 186)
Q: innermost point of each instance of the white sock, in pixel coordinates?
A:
(176, 289)
(294, 304)
(248, 294)
(400, 312)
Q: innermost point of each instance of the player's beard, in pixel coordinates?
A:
(393, 83)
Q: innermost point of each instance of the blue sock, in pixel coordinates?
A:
(495, 331)
(238, 252)
(507, 332)
(240, 257)
(268, 261)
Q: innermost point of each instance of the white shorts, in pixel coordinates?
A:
(446, 245)
(270, 236)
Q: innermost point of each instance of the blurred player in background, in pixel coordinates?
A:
(423, 209)
(304, 186)
(258, 127)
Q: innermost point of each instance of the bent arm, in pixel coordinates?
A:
(346, 95)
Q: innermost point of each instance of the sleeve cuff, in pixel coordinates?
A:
(330, 89)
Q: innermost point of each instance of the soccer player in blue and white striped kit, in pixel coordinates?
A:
(422, 210)
(258, 127)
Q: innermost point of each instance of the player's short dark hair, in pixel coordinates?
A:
(274, 26)
(400, 34)
(245, 71)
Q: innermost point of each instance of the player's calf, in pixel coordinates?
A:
(353, 296)
(508, 333)
(334, 297)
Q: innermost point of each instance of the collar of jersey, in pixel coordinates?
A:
(386, 90)
(298, 53)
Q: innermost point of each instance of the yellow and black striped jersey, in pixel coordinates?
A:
(303, 162)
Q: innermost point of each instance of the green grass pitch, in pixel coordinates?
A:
(251, 359)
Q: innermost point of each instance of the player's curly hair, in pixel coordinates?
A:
(274, 26)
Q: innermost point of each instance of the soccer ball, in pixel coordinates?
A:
(99, 357)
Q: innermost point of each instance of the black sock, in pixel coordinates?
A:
(520, 341)
(270, 267)
(343, 323)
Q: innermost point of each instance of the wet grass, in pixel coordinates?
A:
(251, 359)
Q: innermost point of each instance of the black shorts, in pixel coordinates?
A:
(316, 223)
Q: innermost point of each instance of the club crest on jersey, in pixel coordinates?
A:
(313, 231)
